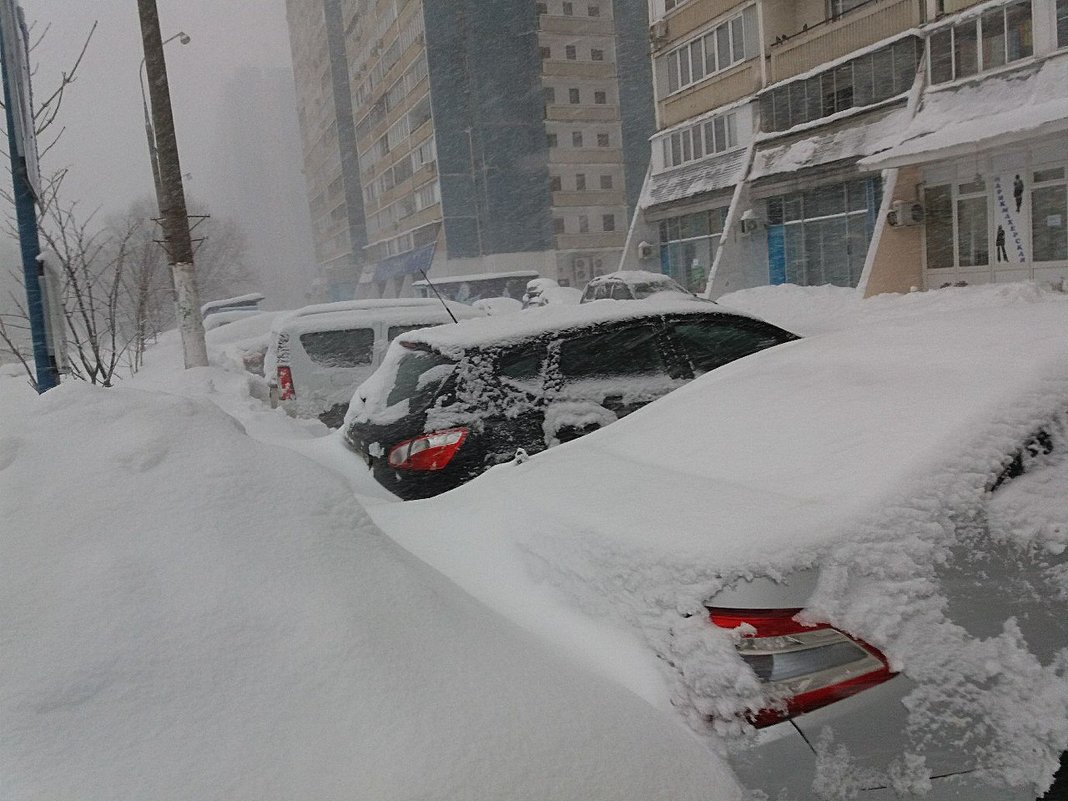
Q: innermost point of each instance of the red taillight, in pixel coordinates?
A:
(808, 666)
(428, 452)
(285, 384)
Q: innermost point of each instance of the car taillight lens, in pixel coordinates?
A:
(428, 452)
(285, 384)
(807, 666)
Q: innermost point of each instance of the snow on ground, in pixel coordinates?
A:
(273, 543)
(190, 613)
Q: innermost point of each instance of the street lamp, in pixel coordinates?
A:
(150, 132)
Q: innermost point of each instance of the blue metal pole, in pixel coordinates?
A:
(47, 375)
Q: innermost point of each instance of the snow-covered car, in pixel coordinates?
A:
(631, 285)
(848, 554)
(545, 291)
(319, 354)
(448, 403)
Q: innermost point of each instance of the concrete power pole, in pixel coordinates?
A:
(174, 218)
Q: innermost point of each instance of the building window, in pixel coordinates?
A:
(602, 140)
(558, 225)
(555, 184)
(576, 138)
(1062, 23)
(570, 53)
(541, 8)
(546, 52)
(864, 81)
(569, 9)
(688, 244)
(699, 141)
(821, 235)
(606, 182)
(998, 37)
(600, 98)
(1049, 215)
(583, 224)
(724, 46)
(573, 96)
(837, 8)
(593, 11)
(608, 222)
(549, 94)
(550, 140)
(598, 55)
(580, 182)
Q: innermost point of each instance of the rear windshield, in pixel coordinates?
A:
(420, 375)
(339, 348)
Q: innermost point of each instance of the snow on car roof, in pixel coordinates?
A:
(632, 277)
(368, 304)
(347, 318)
(531, 322)
(455, 279)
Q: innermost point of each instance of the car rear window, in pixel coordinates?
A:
(395, 331)
(420, 375)
(627, 351)
(349, 348)
(711, 343)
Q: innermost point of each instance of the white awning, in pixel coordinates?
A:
(967, 118)
(694, 179)
(851, 139)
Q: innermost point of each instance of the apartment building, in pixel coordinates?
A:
(487, 137)
(880, 144)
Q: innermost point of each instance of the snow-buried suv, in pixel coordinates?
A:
(452, 401)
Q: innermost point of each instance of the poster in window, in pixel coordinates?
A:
(1010, 241)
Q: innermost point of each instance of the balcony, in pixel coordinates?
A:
(719, 90)
(833, 39)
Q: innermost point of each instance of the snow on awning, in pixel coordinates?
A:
(695, 179)
(853, 140)
(994, 110)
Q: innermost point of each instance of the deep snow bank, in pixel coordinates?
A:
(191, 614)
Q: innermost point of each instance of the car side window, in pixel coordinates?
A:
(711, 343)
(521, 368)
(395, 331)
(620, 351)
(620, 291)
(349, 348)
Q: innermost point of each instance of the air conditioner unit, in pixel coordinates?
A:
(645, 250)
(582, 269)
(904, 213)
(659, 32)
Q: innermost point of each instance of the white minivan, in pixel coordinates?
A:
(319, 354)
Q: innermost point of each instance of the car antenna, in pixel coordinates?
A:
(428, 283)
(422, 272)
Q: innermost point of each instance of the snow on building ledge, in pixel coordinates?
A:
(984, 112)
(680, 183)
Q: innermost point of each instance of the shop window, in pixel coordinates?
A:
(938, 217)
(688, 245)
(1049, 215)
(973, 234)
(1062, 23)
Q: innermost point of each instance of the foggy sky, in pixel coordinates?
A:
(104, 144)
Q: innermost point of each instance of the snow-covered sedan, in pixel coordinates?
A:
(845, 559)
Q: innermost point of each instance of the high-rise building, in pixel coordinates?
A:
(488, 137)
(879, 144)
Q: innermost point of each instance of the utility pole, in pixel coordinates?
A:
(173, 215)
(22, 148)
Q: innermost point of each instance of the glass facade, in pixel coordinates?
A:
(821, 235)
(688, 245)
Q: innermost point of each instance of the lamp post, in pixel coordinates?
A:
(150, 132)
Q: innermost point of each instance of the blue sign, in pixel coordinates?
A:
(406, 263)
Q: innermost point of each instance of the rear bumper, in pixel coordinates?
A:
(871, 728)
